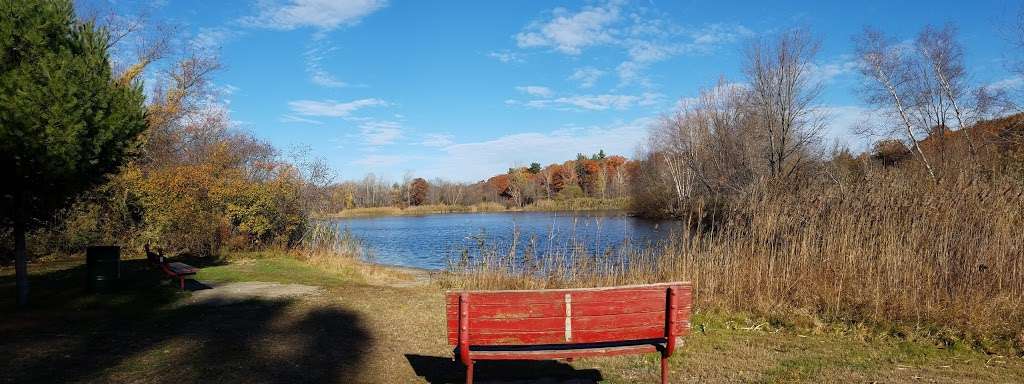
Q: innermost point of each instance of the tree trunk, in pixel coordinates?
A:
(21, 261)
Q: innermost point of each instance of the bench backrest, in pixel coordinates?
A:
(569, 316)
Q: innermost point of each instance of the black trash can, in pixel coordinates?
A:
(104, 267)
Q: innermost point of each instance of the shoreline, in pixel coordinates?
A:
(571, 205)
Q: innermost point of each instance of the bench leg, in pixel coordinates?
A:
(664, 369)
(469, 372)
(181, 280)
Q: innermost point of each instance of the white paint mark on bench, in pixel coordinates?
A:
(568, 317)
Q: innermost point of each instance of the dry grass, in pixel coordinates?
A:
(418, 210)
(579, 204)
(919, 260)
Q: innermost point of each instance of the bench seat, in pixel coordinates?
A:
(564, 351)
(182, 269)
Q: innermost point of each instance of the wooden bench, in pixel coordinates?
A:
(568, 323)
(174, 270)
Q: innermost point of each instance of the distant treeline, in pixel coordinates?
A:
(596, 176)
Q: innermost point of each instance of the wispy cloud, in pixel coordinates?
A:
(377, 133)
(321, 14)
(586, 76)
(849, 123)
(296, 119)
(641, 35)
(712, 35)
(380, 160)
(437, 140)
(331, 108)
(1008, 84)
(505, 56)
(314, 67)
(599, 102)
(213, 38)
(827, 72)
(535, 90)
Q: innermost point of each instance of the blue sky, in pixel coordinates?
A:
(465, 89)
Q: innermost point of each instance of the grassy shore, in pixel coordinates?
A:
(566, 205)
(373, 324)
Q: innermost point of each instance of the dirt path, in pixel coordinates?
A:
(234, 293)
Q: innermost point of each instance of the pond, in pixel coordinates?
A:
(429, 241)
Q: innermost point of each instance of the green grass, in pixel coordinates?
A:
(275, 268)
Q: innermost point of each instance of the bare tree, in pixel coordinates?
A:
(889, 71)
(784, 96)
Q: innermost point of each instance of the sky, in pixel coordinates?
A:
(463, 90)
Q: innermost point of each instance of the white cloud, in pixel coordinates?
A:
(717, 34)
(505, 56)
(535, 90)
(641, 35)
(380, 160)
(570, 32)
(649, 52)
(317, 74)
(1008, 84)
(296, 119)
(331, 108)
(322, 14)
(376, 133)
(631, 72)
(479, 160)
(827, 72)
(437, 140)
(702, 41)
(586, 76)
(213, 38)
(598, 102)
(845, 122)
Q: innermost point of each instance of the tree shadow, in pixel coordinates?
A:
(437, 370)
(143, 332)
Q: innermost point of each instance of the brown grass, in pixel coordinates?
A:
(418, 210)
(941, 261)
(577, 204)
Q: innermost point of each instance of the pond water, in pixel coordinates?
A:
(429, 241)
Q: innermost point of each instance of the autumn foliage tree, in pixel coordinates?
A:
(418, 191)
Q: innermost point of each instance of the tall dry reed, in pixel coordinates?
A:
(324, 245)
(944, 260)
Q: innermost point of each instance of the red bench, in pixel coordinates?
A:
(568, 323)
(173, 270)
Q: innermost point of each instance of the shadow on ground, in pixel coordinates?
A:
(138, 334)
(437, 370)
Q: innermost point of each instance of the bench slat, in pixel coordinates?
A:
(558, 337)
(182, 268)
(562, 354)
(581, 296)
(578, 322)
(518, 311)
(506, 337)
